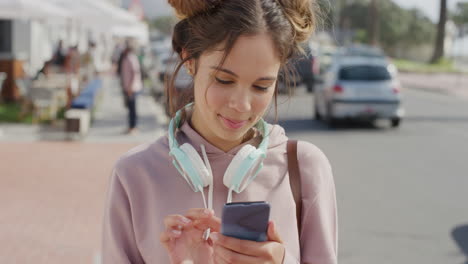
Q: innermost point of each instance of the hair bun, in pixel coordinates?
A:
(188, 8)
(302, 17)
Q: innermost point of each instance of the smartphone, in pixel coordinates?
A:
(246, 220)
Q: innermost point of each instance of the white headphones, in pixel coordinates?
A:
(242, 170)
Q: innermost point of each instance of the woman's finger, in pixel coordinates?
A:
(213, 223)
(169, 234)
(229, 256)
(218, 259)
(204, 218)
(273, 234)
(176, 222)
(199, 213)
(245, 247)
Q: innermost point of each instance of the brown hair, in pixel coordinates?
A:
(205, 24)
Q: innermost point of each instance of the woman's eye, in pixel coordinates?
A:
(223, 81)
(261, 88)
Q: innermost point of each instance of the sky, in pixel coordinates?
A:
(429, 7)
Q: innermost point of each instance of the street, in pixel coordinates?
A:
(401, 192)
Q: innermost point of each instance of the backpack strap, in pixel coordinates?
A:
(295, 179)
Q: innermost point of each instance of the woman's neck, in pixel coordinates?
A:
(224, 145)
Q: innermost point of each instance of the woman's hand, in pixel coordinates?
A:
(183, 236)
(233, 250)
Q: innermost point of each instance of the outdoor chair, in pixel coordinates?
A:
(80, 114)
(44, 103)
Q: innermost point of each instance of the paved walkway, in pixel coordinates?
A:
(52, 199)
(456, 83)
(52, 191)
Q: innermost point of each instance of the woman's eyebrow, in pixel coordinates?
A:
(232, 73)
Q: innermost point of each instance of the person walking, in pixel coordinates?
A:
(131, 85)
(218, 145)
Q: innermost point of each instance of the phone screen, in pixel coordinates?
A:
(246, 220)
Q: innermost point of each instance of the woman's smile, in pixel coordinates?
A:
(231, 123)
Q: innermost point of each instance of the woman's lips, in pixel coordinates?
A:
(232, 124)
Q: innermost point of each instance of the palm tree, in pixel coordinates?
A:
(440, 39)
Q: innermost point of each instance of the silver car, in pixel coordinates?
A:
(359, 88)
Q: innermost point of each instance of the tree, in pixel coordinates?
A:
(460, 17)
(400, 29)
(373, 25)
(164, 23)
(440, 39)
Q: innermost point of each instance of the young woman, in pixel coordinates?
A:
(156, 210)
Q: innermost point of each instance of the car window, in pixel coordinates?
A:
(364, 73)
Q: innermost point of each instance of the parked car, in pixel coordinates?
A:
(359, 88)
(182, 82)
(306, 68)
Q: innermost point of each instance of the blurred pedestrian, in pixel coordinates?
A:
(131, 85)
(59, 55)
(72, 69)
(73, 61)
(89, 61)
(44, 71)
(235, 51)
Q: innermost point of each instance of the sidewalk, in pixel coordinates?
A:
(52, 197)
(52, 191)
(454, 84)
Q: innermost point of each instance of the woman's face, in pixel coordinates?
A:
(231, 98)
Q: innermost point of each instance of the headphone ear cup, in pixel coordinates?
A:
(234, 166)
(200, 169)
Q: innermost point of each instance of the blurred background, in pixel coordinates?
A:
(382, 89)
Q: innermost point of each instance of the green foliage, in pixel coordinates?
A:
(443, 65)
(360, 36)
(460, 16)
(10, 113)
(164, 24)
(398, 27)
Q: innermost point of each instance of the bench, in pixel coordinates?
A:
(86, 99)
(81, 112)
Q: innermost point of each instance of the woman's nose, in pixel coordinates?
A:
(240, 101)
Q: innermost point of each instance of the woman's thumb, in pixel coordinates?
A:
(272, 233)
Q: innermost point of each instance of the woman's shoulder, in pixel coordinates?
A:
(143, 156)
(314, 166)
(309, 152)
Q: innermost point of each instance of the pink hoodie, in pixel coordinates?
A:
(145, 187)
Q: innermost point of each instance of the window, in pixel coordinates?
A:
(6, 36)
(364, 73)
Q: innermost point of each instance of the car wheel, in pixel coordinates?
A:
(310, 85)
(395, 122)
(331, 121)
(317, 115)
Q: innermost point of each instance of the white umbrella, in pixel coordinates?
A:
(99, 15)
(138, 31)
(119, 16)
(30, 9)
